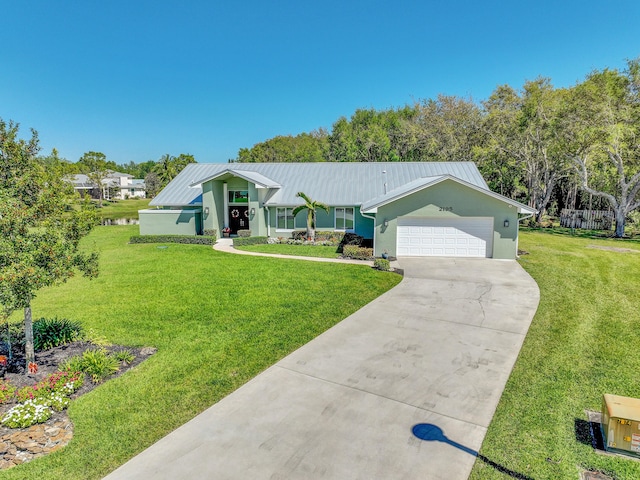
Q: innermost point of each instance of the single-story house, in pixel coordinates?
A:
(405, 208)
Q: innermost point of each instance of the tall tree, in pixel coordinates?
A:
(152, 184)
(41, 227)
(168, 166)
(305, 147)
(311, 206)
(497, 164)
(523, 139)
(601, 125)
(449, 128)
(96, 167)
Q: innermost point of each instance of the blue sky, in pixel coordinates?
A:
(138, 79)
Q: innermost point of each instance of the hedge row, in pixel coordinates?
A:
(189, 239)
(240, 241)
(321, 236)
(357, 253)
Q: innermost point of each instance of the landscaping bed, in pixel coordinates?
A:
(48, 362)
(21, 445)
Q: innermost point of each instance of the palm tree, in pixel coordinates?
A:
(311, 206)
(165, 169)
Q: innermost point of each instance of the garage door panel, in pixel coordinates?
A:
(455, 237)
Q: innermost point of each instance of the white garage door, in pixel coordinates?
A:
(445, 237)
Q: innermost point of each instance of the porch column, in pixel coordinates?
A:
(225, 193)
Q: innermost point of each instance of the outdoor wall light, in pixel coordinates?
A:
(206, 210)
(386, 223)
(506, 224)
(252, 211)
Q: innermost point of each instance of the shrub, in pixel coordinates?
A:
(357, 253)
(335, 238)
(210, 232)
(52, 332)
(351, 239)
(185, 239)
(240, 241)
(244, 233)
(382, 264)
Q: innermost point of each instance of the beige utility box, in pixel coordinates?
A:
(621, 424)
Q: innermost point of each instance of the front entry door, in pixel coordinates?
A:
(238, 218)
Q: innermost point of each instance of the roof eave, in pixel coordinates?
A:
(235, 173)
(522, 208)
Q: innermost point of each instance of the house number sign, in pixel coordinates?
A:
(446, 209)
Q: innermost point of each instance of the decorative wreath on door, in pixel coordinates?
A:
(235, 213)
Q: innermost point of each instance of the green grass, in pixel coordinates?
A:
(582, 343)
(631, 233)
(301, 250)
(123, 208)
(217, 320)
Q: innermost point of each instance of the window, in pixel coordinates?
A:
(238, 196)
(344, 218)
(284, 218)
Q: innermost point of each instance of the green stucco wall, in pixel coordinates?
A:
(213, 204)
(324, 222)
(209, 212)
(170, 222)
(445, 200)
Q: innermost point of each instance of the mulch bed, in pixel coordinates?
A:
(49, 360)
(20, 445)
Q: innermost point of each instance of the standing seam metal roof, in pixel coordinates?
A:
(335, 183)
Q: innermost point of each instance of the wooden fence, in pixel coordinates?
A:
(587, 219)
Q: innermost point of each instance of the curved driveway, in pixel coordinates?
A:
(437, 349)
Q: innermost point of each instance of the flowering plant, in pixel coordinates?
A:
(39, 401)
(226, 230)
(61, 382)
(28, 413)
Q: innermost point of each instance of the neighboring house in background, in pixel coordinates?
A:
(405, 208)
(115, 185)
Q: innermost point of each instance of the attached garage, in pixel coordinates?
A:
(445, 217)
(445, 237)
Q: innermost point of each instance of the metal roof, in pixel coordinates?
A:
(259, 180)
(333, 183)
(372, 205)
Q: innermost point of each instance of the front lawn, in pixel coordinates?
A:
(123, 208)
(217, 320)
(581, 344)
(300, 250)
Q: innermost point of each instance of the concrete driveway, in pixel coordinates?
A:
(404, 388)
